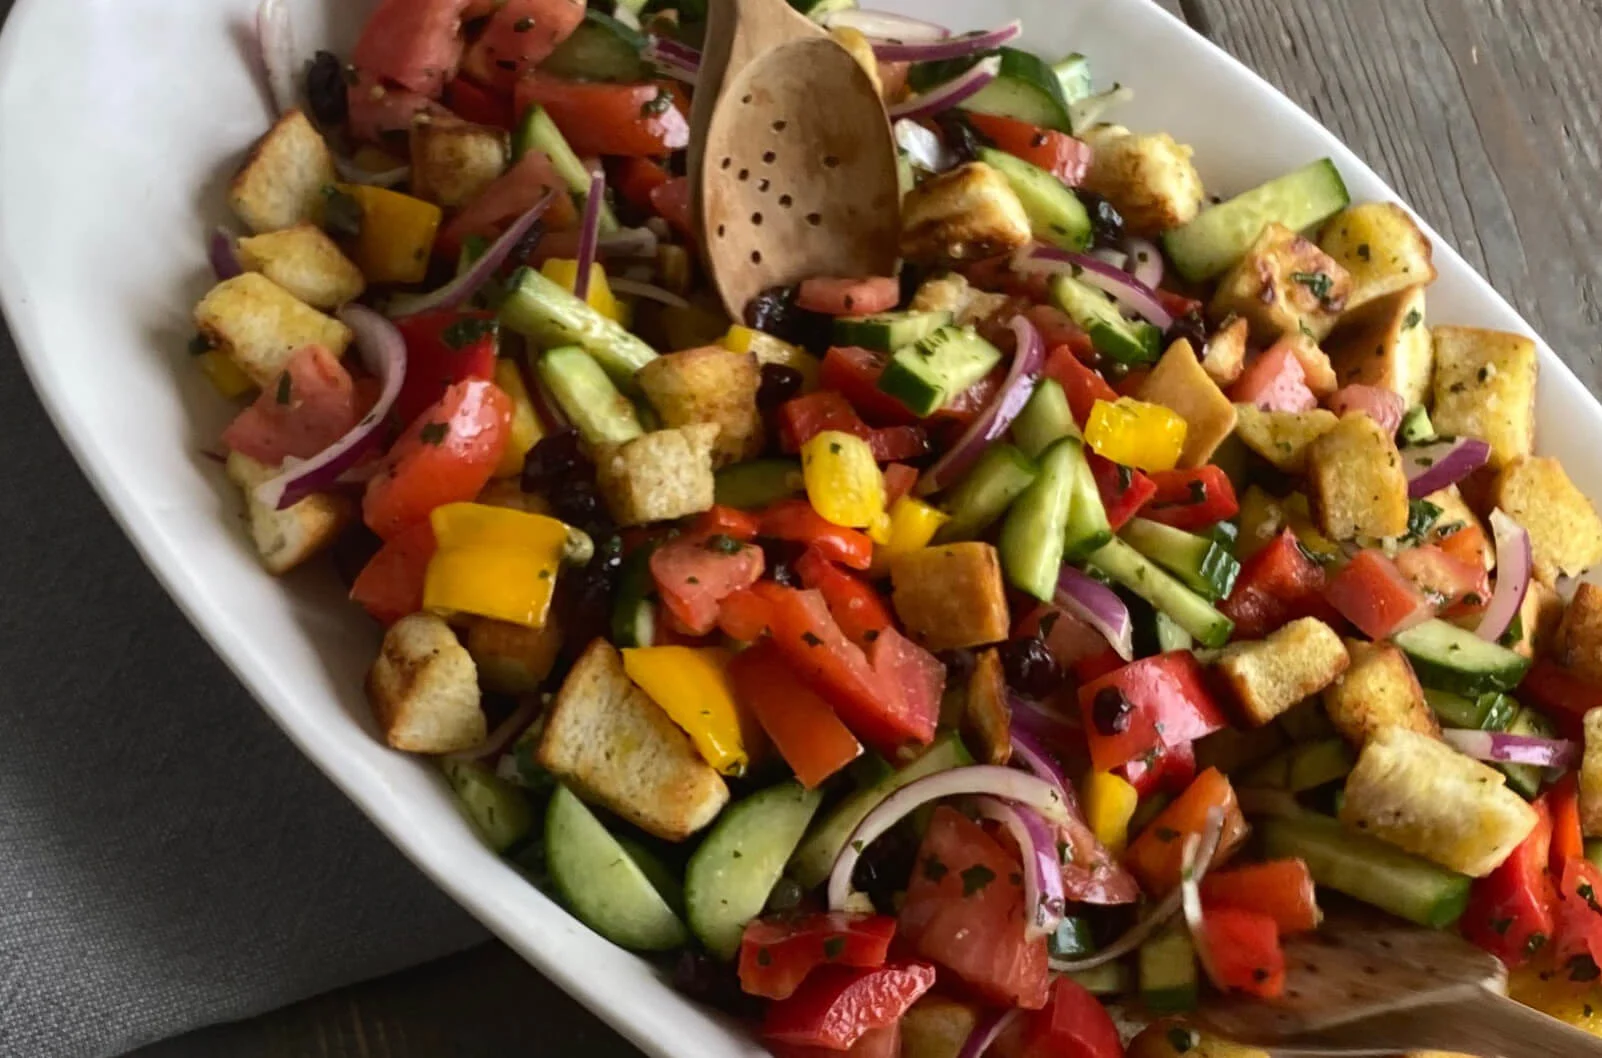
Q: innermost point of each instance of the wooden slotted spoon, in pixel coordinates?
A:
(1369, 985)
(793, 160)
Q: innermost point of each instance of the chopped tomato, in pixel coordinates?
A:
(796, 521)
(1058, 330)
(1281, 889)
(1276, 585)
(1177, 305)
(1074, 1024)
(1466, 543)
(1561, 695)
(913, 675)
(804, 729)
(672, 202)
(997, 275)
(838, 1005)
(695, 574)
(777, 954)
(1245, 951)
(1132, 382)
(416, 43)
(1083, 385)
(854, 374)
(480, 106)
(1275, 381)
(600, 118)
(519, 36)
(1579, 920)
(965, 911)
(1166, 769)
(858, 609)
(442, 349)
(390, 586)
(899, 480)
(1510, 911)
(312, 405)
(1452, 586)
(744, 616)
(446, 456)
(849, 297)
(1157, 855)
(1090, 873)
(377, 109)
(727, 521)
(508, 197)
(1373, 594)
(1097, 665)
(1069, 639)
(636, 178)
(1192, 499)
(966, 406)
(805, 417)
(1568, 842)
(1150, 703)
(1124, 490)
(1382, 405)
(875, 1043)
(1057, 153)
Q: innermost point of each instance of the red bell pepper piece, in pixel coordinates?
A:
(805, 417)
(838, 1005)
(1510, 911)
(1166, 769)
(1145, 705)
(854, 373)
(777, 954)
(695, 574)
(1561, 695)
(857, 607)
(636, 179)
(1156, 856)
(1192, 499)
(727, 521)
(1245, 950)
(1124, 490)
(1057, 153)
(1097, 665)
(390, 586)
(1281, 889)
(796, 521)
(898, 481)
(804, 729)
(1579, 921)
(1056, 328)
(1082, 385)
(1568, 841)
(673, 202)
(745, 615)
(1277, 584)
(1074, 1024)
(1373, 594)
(1178, 305)
(443, 348)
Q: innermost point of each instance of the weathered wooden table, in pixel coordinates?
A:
(1486, 115)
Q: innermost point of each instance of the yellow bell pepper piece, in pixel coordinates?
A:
(493, 562)
(526, 430)
(770, 350)
(564, 273)
(1109, 806)
(1135, 433)
(913, 524)
(844, 483)
(1299, 519)
(397, 234)
(691, 684)
(225, 375)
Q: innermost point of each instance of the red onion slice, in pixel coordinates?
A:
(1007, 783)
(222, 250)
(506, 732)
(927, 150)
(1126, 289)
(1042, 867)
(629, 242)
(1145, 261)
(882, 25)
(1198, 857)
(1560, 753)
(383, 352)
(987, 1031)
(275, 39)
(1098, 606)
(1041, 722)
(949, 94)
(949, 48)
(1515, 563)
(461, 289)
(1116, 258)
(1033, 756)
(1433, 467)
(993, 421)
(679, 61)
(589, 234)
(649, 291)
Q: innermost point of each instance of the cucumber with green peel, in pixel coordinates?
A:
(1484, 712)
(1169, 981)
(728, 879)
(1026, 88)
(1108, 979)
(1073, 76)
(633, 604)
(885, 332)
(928, 374)
(1072, 939)
(1001, 475)
(547, 312)
(1088, 529)
(1416, 428)
(539, 133)
(1220, 235)
(1056, 216)
(499, 810)
(587, 397)
(1044, 419)
(662, 878)
(1127, 341)
(1200, 563)
(1143, 577)
(1171, 637)
(1449, 658)
(1526, 780)
(600, 49)
(1225, 533)
(753, 485)
(1306, 721)
(1031, 541)
(602, 884)
(1304, 767)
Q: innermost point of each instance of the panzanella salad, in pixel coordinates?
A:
(921, 663)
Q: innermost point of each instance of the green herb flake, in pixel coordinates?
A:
(1319, 284)
(975, 878)
(523, 25)
(1515, 631)
(1363, 251)
(199, 345)
(342, 213)
(1181, 1039)
(434, 433)
(723, 544)
(811, 640)
(468, 330)
(1412, 319)
(1166, 834)
(833, 948)
(657, 106)
(283, 394)
(933, 869)
(764, 957)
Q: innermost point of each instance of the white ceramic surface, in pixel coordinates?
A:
(119, 124)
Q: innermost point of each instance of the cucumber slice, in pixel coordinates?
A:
(1306, 722)
(888, 331)
(633, 611)
(728, 880)
(813, 860)
(1025, 88)
(538, 132)
(1045, 419)
(1304, 767)
(1171, 637)
(1526, 779)
(600, 49)
(1221, 234)
(1108, 979)
(602, 884)
(1140, 575)
(926, 375)
(1169, 982)
(1073, 76)
(657, 872)
(1056, 215)
(1368, 869)
(542, 310)
(1416, 428)
(587, 397)
(1202, 565)
(1088, 528)
(499, 811)
(1450, 658)
(1001, 475)
(1124, 340)
(1486, 712)
(754, 485)
(1073, 939)
(1032, 537)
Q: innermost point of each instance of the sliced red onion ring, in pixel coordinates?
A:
(1046, 724)
(1197, 858)
(649, 291)
(1514, 749)
(1515, 562)
(629, 242)
(679, 61)
(383, 352)
(926, 149)
(883, 25)
(1116, 258)
(1007, 783)
(1131, 940)
(1126, 289)
(275, 37)
(1083, 113)
(1098, 606)
(461, 289)
(1145, 261)
(1033, 756)
(589, 234)
(500, 740)
(1432, 467)
(222, 250)
(949, 94)
(949, 48)
(351, 173)
(987, 1031)
(992, 422)
(1042, 867)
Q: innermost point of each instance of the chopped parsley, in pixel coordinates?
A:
(523, 25)
(933, 869)
(723, 544)
(1535, 943)
(1500, 926)
(1583, 968)
(975, 878)
(433, 433)
(283, 395)
(1421, 515)
(199, 345)
(764, 957)
(467, 331)
(342, 214)
(833, 948)
(1166, 834)
(1319, 284)
(1412, 319)
(1515, 631)
(1363, 251)
(811, 640)
(657, 106)
(1181, 1039)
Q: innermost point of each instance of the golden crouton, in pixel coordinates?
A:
(424, 690)
(1282, 437)
(1356, 482)
(951, 596)
(986, 716)
(1565, 533)
(1284, 285)
(1381, 246)
(1180, 384)
(1225, 358)
(1485, 388)
(963, 214)
(513, 658)
(284, 539)
(452, 161)
(953, 293)
(1386, 344)
(709, 385)
(662, 475)
(614, 746)
(1378, 690)
(1423, 796)
(1270, 675)
(1579, 639)
(1149, 179)
(1591, 776)
(259, 325)
(1534, 631)
(306, 263)
(937, 1027)
(283, 179)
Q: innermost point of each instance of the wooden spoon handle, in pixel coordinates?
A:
(1486, 1024)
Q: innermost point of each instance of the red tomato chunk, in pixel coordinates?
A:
(777, 954)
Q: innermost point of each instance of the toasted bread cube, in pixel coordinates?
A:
(962, 214)
(283, 179)
(616, 747)
(986, 716)
(951, 596)
(1579, 640)
(1379, 690)
(1591, 776)
(1485, 388)
(1282, 437)
(513, 658)
(306, 263)
(259, 325)
(1537, 623)
(1356, 481)
(284, 539)
(953, 293)
(1149, 179)
(1179, 384)
(662, 475)
(1565, 533)
(1268, 676)
(709, 385)
(1386, 344)
(1381, 247)
(424, 690)
(1225, 358)
(1423, 796)
(1284, 285)
(452, 161)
